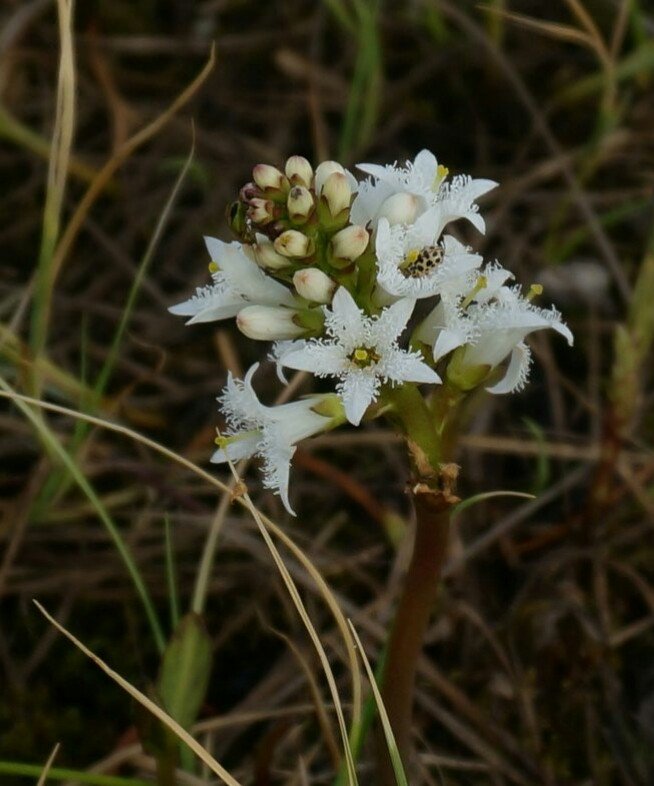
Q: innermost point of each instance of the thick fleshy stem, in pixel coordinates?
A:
(432, 508)
(432, 494)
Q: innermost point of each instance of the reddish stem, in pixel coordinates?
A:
(414, 611)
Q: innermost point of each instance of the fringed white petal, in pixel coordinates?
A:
(358, 390)
(391, 323)
(241, 448)
(517, 371)
(402, 366)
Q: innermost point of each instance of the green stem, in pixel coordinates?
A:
(410, 408)
(446, 410)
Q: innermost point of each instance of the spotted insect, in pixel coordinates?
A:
(423, 262)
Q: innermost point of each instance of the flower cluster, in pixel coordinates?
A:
(331, 270)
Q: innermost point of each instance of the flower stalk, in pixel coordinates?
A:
(432, 506)
(331, 270)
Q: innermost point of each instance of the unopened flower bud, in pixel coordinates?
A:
(260, 211)
(266, 256)
(248, 192)
(294, 244)
(300, 203)
(350, 242)
(299, 171)
(312, 284)
(268, 323)
(400, 208)
(269, 178)
(323, 171)
(337, 192)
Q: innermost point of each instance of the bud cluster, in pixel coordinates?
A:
(299, 217)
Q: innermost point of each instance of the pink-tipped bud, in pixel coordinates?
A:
(350, 242)
(337, 192)
(300, 203)
(269, 178)
(294, 244)
(248, 192)
(299, 171)
(261, 211)
(266, 256)
(314, 285)
(400, 208)
(268, 323)
(323, 171)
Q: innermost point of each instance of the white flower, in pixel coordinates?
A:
(501, 328)
(237, 282)
(413, 261)
(487, 326)
(449, 326)
(362, 352)
(268, 432)
(424, 180)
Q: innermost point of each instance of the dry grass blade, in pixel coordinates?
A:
(65, 119)
(46, 769)
(554, 30)
(541, 124)
(313, 633)
(338, 615)
(62, 140)
(586, 21)
(315, 574)
(314, 689)
(149, 705)
(121, 155)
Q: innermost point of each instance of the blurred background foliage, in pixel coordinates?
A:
(540, 665)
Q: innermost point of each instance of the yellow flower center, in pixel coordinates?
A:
(363, 357)
(213, 267)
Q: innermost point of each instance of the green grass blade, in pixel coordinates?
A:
(365, 89)
(59, 481)
(57, 450)
(171, 575)
(393, 752)
(63, 774)
(112, 356)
